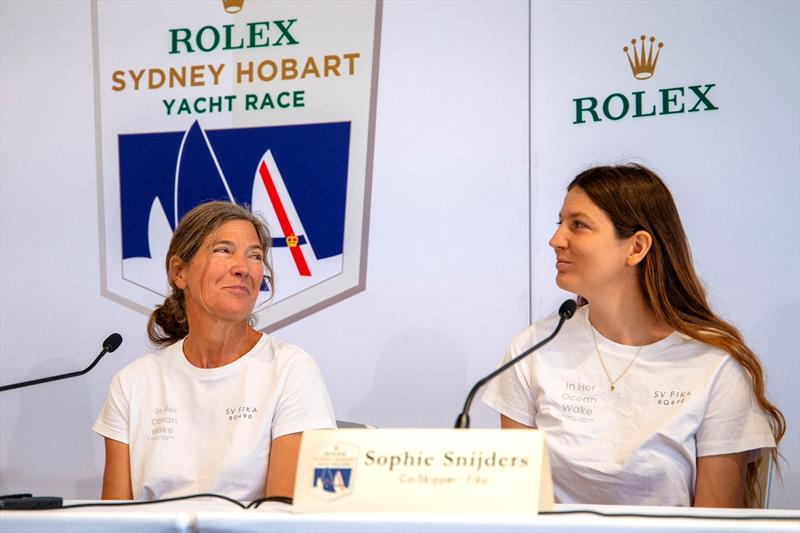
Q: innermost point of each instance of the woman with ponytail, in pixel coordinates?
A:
(647, 396)
(221, 406)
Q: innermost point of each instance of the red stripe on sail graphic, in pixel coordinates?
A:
(283, 219)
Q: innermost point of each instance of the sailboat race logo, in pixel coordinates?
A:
(267, 108)
(295, 177)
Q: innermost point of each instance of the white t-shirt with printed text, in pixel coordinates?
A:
(637, 445)
(192, 430)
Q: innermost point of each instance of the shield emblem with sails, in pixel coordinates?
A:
(305, 167)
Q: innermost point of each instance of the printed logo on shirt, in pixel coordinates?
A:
(671, 396)
(163, 423)
(243, 412)
(578, 401)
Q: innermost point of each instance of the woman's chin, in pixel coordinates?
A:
(232, 315)
(563, 283)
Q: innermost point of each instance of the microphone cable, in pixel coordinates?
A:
(283, 499)
(252, 505)
(664, 515)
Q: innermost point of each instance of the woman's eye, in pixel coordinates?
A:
(579, 225)
(257, 257)
(222, 250)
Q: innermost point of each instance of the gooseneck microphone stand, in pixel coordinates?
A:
(28, 501)
(111, 343)
(565, 312)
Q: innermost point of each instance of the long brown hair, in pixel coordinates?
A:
(168, 322)
(636, 199)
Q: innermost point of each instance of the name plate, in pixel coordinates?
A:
(480, 471)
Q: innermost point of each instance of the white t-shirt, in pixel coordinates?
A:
(193, 430)
(636, 445)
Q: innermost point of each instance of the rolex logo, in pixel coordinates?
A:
(621, 104)
(232, 6)
(643, 64)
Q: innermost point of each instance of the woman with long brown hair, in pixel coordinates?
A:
(647, 396)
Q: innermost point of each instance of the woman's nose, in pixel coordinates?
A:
(558, 240)
(239, 267)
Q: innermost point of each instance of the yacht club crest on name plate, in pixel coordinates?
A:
(334, 467)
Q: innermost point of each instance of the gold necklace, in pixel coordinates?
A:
(612, 382)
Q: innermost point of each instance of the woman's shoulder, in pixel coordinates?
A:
(270, 349)
(544, 327)
(151, 362)
(681, 346)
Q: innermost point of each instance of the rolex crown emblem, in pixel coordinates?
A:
(232, 6)
(291, 241)
(643, 65)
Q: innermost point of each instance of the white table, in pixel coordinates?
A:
(169, 517)
(282, 519)
(209, 515)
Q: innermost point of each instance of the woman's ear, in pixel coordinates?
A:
(641, 242)
(176, 272)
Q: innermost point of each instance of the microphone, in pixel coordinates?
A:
(111, 343)
(565, 312)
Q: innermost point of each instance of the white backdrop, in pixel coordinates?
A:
(448, 272)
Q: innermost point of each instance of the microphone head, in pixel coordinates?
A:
(112, 342)
(567, 309)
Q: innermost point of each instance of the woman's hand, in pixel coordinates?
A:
(117, 474)
(283, 465)
(720, 480)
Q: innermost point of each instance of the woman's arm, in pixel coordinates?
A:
(720, 480)
(117, 474)
(507, 423)
(283, 465)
